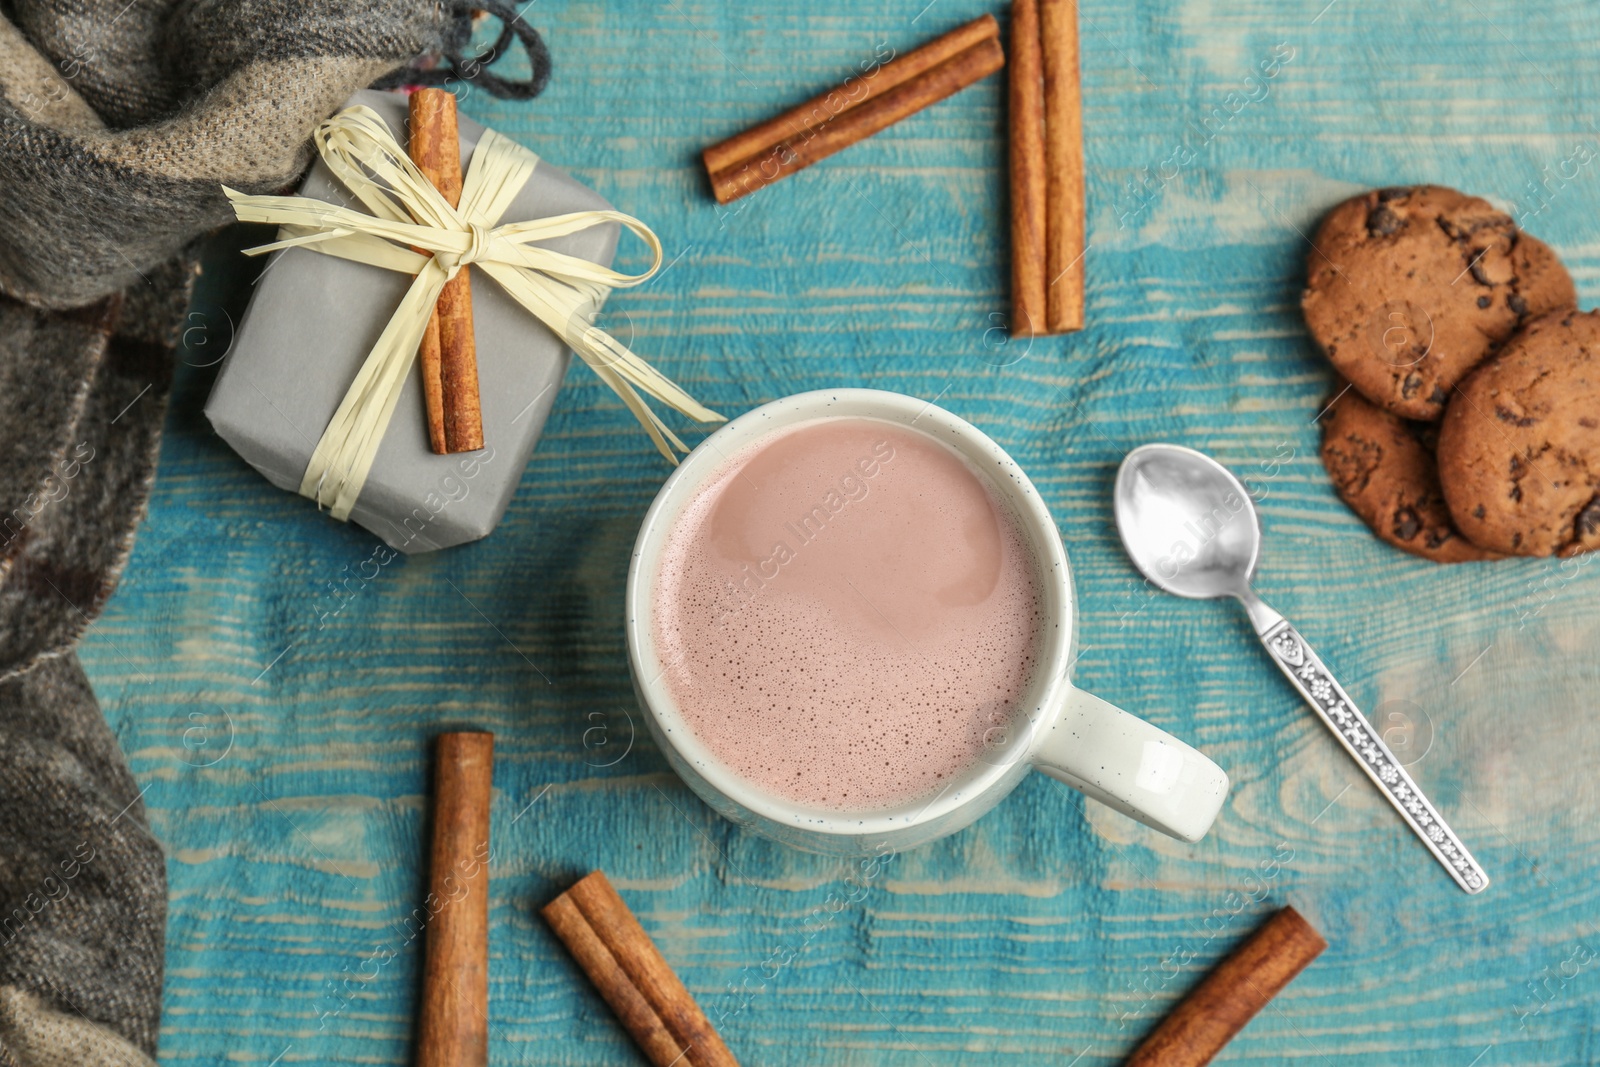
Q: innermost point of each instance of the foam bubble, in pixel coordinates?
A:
(846, 614)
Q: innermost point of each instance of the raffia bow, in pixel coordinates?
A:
(407, 214)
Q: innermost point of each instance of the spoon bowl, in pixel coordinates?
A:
(1186, 522)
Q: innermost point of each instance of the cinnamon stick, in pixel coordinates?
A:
(1232, 994)
(1028, 306)
(632, 977)
(857, 89)
(1063, 140)
(453, 1030)
(834, 121)
(449, 353)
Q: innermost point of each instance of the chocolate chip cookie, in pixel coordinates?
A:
(1383, 467)
(1519, 448)
(1408, 289)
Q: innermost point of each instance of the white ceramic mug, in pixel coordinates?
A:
(1097, 748)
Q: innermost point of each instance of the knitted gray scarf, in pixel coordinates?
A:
(119, 120)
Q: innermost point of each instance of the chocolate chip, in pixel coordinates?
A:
(1438, 396)
(1477, 512)
(1516, 494)
(1461, 225)
(1516, 540)
(1517, 304)
(1395, 192)
(1437, 538)
(1588, 520)
(1406, 523)
(1422, 433)
(1484, 301)
(1479, 275)
(1507, 415)
(1409, 387)
(1381, 222)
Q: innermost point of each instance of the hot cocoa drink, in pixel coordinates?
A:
(847, 616)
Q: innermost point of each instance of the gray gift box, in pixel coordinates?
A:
(312, 321)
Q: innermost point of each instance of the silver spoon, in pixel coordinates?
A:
(1190, 526)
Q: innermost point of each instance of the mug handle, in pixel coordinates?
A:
(1127, 764)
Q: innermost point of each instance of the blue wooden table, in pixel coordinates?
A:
(276, 696)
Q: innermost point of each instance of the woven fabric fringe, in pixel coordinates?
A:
(119, 124)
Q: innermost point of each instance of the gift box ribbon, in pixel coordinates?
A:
(411, 228)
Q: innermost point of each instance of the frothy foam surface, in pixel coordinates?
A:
(845, 612)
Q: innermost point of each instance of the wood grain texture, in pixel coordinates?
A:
(275, 678)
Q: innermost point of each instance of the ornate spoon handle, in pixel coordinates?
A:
(1316, 683)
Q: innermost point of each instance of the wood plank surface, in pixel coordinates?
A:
(275, 686)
